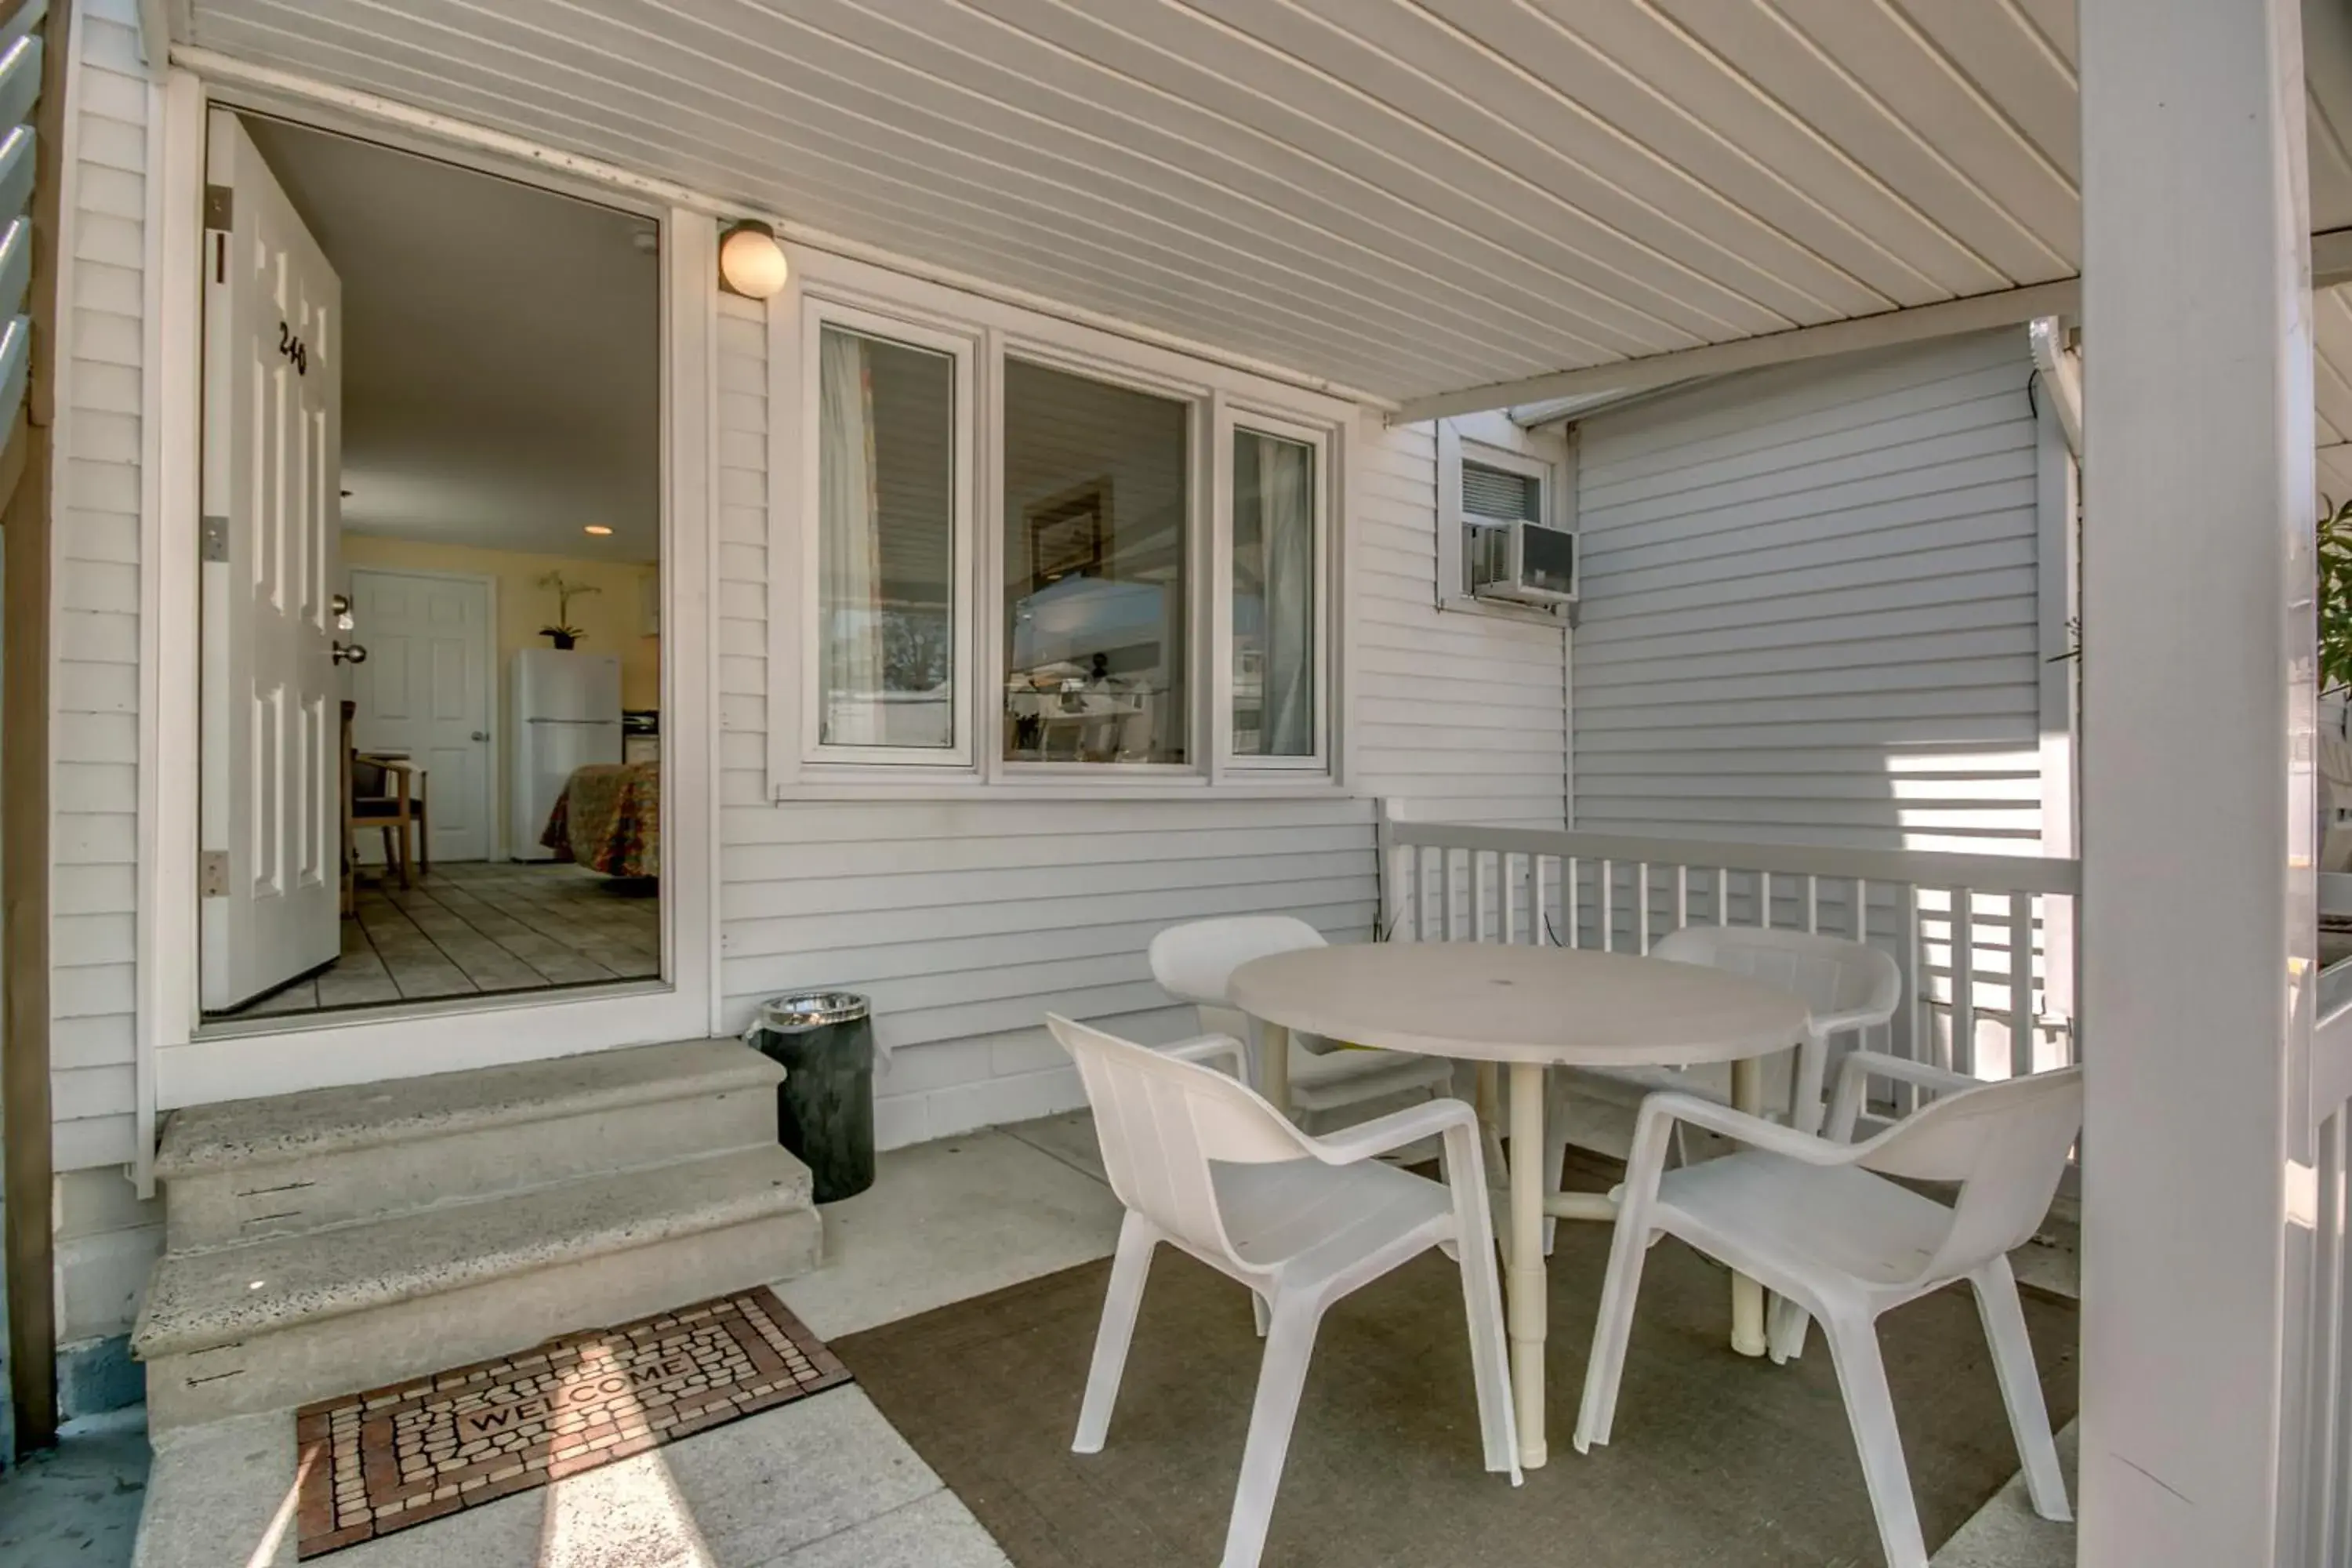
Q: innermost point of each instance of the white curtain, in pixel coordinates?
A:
(849, 545)
(1286, 501)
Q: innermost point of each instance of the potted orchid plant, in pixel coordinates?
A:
(563, 634)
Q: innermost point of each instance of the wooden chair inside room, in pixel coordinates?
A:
(379, 792)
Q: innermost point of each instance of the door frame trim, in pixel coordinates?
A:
(188, 1069)
(494, 776)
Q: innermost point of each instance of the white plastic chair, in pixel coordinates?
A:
(1849, 986)
(1204, 1164)
(1195, 962)
(1816, 1219)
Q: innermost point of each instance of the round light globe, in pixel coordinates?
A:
(751, 263)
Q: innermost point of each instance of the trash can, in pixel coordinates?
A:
(825, 1107)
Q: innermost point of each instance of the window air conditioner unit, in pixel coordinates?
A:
(1521, 563)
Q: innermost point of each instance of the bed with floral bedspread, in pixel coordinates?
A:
(609, 818)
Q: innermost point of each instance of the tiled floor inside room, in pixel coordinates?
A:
(481, 927)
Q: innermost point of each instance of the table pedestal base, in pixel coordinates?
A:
(1747, 1295)
(1527, 1306)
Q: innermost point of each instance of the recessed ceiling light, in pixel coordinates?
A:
(598, 529)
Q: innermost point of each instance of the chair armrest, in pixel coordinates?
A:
(1208, 1049)
(1827, 1023)
(1753, 1130)
(1382, 1133)
(1650, 1080)
(1859, 1068)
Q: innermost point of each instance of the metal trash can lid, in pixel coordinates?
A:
(810, 1010)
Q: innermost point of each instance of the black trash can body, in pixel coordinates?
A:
(825, 1107)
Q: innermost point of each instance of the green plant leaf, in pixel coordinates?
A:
(2335, 596)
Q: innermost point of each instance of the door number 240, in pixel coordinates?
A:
(294, 349)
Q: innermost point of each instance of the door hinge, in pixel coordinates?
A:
(212, 874)
(214, 542)
(220, 207)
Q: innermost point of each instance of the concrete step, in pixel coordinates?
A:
(295, 1318)
(246, 1169)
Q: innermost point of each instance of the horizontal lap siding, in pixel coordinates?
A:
(94, 744)
(1462, 715)
(967, 921)
(1810, 606)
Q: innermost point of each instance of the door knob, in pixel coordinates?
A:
(349, 653)
(482, 734)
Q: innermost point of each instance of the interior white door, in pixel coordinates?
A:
(270, 784)
(425, 691)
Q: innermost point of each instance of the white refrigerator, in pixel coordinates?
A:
(566, 708)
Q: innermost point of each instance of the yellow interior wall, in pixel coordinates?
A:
(612, 619)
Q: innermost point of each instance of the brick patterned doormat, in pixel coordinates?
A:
(412, 1451)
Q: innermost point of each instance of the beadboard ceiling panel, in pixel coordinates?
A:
(1399, 196)
(2331, 375)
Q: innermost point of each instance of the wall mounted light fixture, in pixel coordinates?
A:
(751, 262)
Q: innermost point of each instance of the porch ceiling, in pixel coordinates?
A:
(2331, 375)
(1398, 196)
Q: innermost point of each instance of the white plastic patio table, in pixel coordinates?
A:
(1527, 1008)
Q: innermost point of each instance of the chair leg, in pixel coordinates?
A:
(2020, 1387)
(1555, 1148)
(1282, 1375)
(1807, 1111)
(1129, 1270)
(1789, 1325)
(1490, 1129)
(1261, 1313)
(1618, 1290)
(1490, 1359)
(1870, 1410)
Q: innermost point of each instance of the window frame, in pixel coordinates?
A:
(816, 314)
(1497, 443)
(1200, 526)
(826, 288)
(1232, 418)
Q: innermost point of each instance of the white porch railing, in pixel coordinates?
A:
(2320, 1247)
(1985, 941)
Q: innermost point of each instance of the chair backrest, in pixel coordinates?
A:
(1162, 1121)
(1195, 962)
(1833, 974)
(2005, 1145)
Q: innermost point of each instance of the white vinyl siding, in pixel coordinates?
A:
(964, 921)
(1461, 715)
(1810, 606)
(94, 778)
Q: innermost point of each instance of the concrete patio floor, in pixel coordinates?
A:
(824, 1483)
(77, 1505)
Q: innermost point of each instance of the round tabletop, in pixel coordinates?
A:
(1489, 1002)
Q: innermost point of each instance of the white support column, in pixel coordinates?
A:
(2197, 806)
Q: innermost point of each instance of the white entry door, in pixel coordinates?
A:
(270, 785)
(425, 692)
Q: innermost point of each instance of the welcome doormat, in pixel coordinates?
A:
(372, 1463)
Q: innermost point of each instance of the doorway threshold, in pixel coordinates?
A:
(429, 1008)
